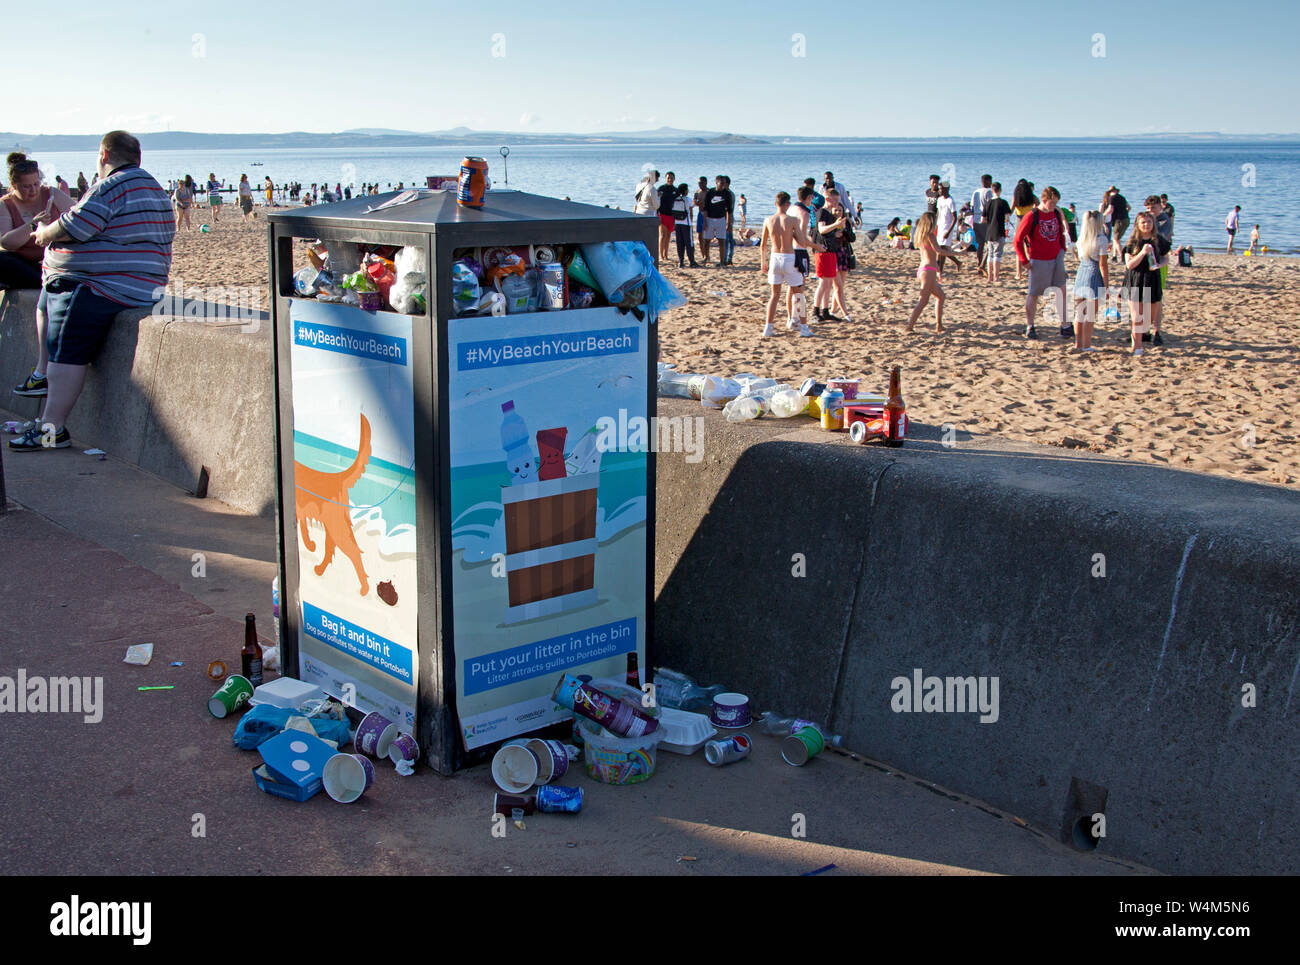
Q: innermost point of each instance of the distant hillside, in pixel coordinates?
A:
(388, 138)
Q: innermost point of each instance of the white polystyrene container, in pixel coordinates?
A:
(286, 692)
(687, 732)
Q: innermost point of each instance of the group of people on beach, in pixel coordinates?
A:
(184, 194)
(1042, 234)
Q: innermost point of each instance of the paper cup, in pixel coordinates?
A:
(515, 768)
(848, 386)
(552, 760)
(347, 776)
(232, 695)
(374, 735)
(730, 710)
(403, 748)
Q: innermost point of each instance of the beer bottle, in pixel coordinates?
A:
(895, 410)
(633, 673)
(251, 655)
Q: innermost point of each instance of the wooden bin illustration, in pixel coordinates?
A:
(550, 545)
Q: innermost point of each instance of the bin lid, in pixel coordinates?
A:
(434, 209)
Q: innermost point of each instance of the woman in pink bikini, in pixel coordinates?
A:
(928, 272)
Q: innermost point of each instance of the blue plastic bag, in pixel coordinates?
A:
(266, 720)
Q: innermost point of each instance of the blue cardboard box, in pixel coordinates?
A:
(294, 763)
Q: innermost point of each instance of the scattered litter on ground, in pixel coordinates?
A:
(166, 687)
(139, 654)
(93, 452)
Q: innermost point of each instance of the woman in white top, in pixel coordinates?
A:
(647, 198)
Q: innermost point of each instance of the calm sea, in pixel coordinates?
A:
(1203, 179)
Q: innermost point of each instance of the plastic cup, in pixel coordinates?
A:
(403, 748)
(347, 776)
(374, 735)
(231, 696)
(552, 759)
(515, 768)
(802, 746)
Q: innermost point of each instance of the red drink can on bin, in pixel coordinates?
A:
(473, 182)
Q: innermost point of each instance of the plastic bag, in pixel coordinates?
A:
(465, 290)
(266, 720)
(718, 391)
(617, 267)
(660, 294)
(408, 292)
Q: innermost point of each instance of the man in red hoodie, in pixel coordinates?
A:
(1040, 240)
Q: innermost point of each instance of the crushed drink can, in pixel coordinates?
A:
(728, 750)
(559, 799)
(555, 286)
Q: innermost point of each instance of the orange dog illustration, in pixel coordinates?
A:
(323, 496)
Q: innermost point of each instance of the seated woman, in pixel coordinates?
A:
(26, 205)
(896, 235)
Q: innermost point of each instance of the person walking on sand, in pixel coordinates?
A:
(184, 200)
(782, 229)
(1231, 222)
(214, 196)
(1254, 240)
(245, 196)
(269, 187)
(1040, 243)
(1092, 279)
(1119, 212)
(730, 249)
(741, 204)
(927, 273)
(1022, 202)
(945, 225)
(697, 200)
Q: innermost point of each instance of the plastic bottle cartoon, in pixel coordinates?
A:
(585, 456)
(514, 440)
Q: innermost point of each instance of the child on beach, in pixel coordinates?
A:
(1254, 240)
(1091, 280)
(928, 271)
(1142, 256)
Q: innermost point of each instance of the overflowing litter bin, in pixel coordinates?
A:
(464, 446)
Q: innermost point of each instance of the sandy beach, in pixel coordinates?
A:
(1230, 363)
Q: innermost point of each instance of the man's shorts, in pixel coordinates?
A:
(993, 249)
(667, 221)
(715, 229)
(78, 320)
(1045, 274)
(1118, 228)
(781, 270)
(801, 261)
(826, 264)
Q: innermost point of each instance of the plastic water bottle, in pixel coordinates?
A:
(787, 403)
(774, 725)
(674, 689)
(742, 409)
(514, 440)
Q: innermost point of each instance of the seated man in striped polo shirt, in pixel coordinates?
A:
(112, 250)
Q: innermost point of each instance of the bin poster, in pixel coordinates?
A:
(549, 441)
(354, 500)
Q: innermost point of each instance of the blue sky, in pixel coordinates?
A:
(869, 69)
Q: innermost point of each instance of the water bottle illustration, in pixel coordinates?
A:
(514, 440)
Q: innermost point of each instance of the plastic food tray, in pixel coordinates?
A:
(687, 732)
(285, 692)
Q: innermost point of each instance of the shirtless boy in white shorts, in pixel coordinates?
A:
(783, 231)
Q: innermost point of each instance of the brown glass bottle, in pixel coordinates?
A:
(895, 409)
(251, 656)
